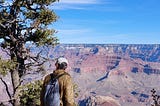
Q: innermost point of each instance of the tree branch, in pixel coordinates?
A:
(2, 25)
(6, 87)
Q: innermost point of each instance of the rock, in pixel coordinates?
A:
(99, 101)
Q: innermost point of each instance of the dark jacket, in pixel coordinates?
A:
(65, 88)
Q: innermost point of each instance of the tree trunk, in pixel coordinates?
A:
(15, 82)
(15, 78)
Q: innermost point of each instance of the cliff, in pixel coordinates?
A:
(124, 72)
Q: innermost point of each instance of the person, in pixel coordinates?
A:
(65, 84)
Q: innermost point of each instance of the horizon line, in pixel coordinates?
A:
(106, 44)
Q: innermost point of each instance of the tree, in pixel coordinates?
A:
(156, 98)
(30, 93)
(24, 23)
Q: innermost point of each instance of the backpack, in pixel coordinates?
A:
(52, 96)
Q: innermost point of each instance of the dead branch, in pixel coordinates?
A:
(5, 84)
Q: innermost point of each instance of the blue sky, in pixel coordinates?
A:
(108, 21)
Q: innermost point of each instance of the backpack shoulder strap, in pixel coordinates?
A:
(56, 77)
(51, 75)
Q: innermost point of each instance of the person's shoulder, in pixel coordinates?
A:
(64, 76)
(67, 74)
(47, 77)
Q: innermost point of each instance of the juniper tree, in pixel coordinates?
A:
(156, 98)
(25, 22)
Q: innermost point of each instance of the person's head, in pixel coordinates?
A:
(61, 63)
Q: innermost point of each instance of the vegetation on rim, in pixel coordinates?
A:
(24, 22)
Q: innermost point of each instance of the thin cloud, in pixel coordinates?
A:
(76, 4)
(66, 6)
(79, 1)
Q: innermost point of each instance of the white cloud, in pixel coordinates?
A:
(79, 1)
(77, 4)
(67, 6)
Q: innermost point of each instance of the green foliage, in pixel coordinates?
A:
(3, 14)
(24, 22)
(76, 90)
(30, 93)
(47, 2)
(6, 66)
(47, 16)
(44, 16)
(42, 37)
(31, 15)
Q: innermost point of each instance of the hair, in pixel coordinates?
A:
(62, 66)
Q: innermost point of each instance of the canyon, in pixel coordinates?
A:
(108, 74)
(126, 73)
